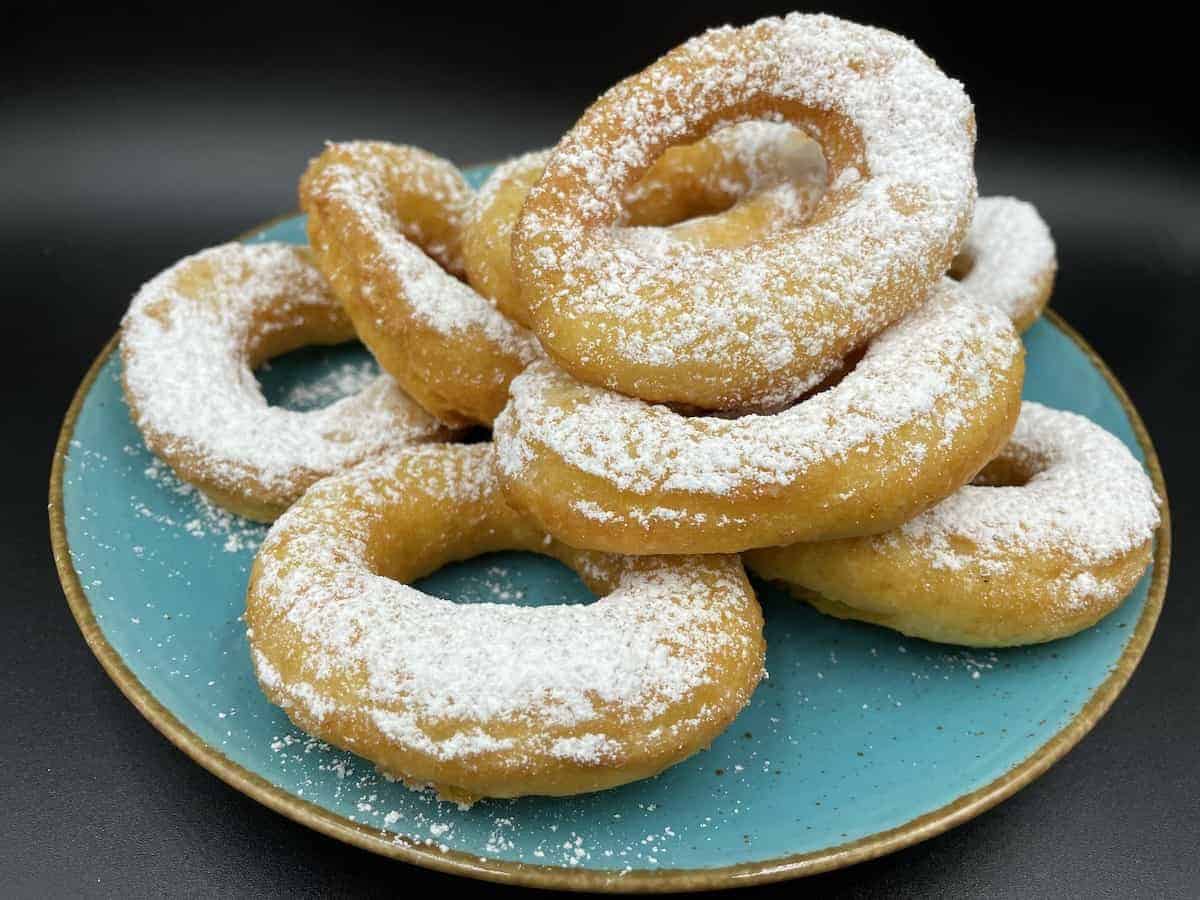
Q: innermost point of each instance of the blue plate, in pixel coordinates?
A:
(860, 742)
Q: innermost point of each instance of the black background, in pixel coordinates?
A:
(132, 137)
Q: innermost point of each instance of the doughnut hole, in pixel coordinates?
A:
(961, 266)
(732, 186)
(1005, 472)
(314, 377)
(737, 184)
(516, 578)
(409, 542)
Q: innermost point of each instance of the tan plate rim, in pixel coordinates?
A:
(644, 880)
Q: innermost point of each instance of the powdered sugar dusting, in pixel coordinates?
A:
(589, 748)
(946, 350)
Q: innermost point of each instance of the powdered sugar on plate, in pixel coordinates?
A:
(342, 381)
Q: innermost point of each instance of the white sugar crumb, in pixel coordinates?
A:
(186, 343)
(916, 192)
(1087, 498)
(588, 748)
(593, 511)
(1085, 586)
(404, 729)
(1008, 252)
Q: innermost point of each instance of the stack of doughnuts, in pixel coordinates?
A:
(748, 312)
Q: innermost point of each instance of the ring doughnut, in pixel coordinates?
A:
(1008, 259)
(1050, 538)
(374, 211)
(490, 700)
(931, 401)
(189, 344)
(757, 325)
(737, 183)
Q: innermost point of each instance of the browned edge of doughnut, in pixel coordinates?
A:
(386, 843)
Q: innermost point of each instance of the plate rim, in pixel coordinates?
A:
(456, 862)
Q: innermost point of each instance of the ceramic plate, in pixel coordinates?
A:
(860, 742)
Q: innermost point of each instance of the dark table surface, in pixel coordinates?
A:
(117, 162)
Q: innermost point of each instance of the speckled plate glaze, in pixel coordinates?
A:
(859, 743)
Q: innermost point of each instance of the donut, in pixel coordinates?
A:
(1048, 540)
(745, 179)
(487, 699)
(385, 223)
(1008, 259)
(189, 344)
(929, 403)
(756, 325)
